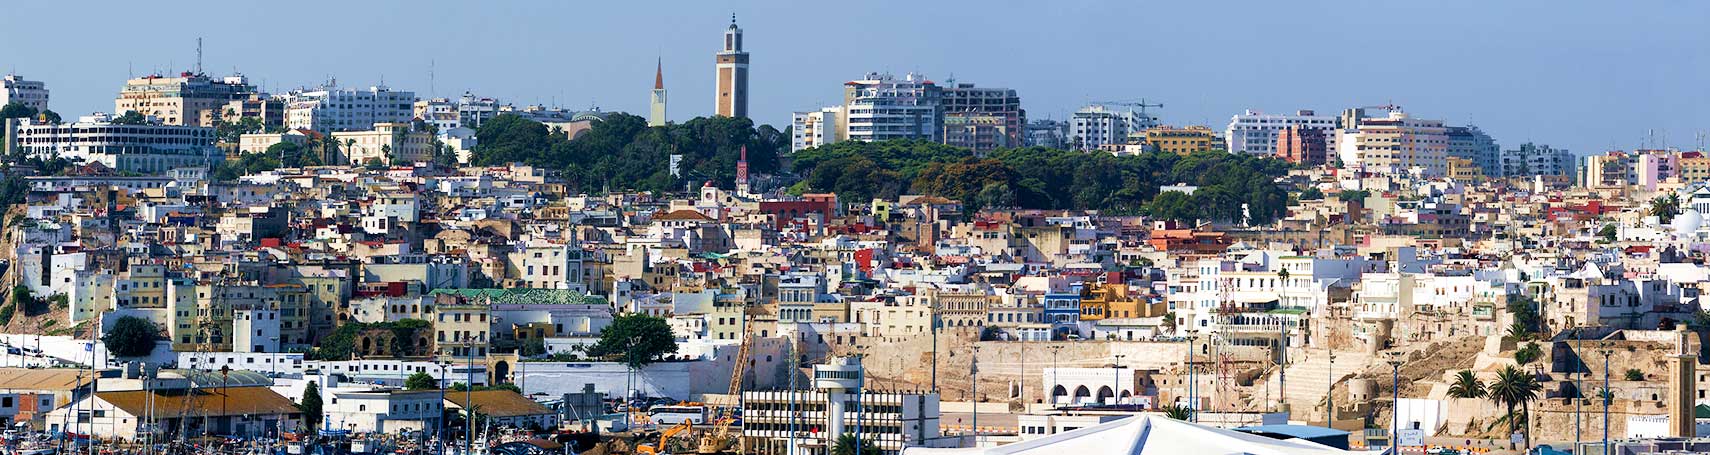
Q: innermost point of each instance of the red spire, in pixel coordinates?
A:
(659, 76)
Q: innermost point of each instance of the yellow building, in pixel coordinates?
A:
(1182, 141)
(189, 99)
(387, 143)
(1463, 169)
(1115, 301)
(1695, 168)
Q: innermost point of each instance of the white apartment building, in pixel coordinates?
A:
(468, 111)
(838, 404)
(347, 109)
(1255, 133)
(365, 409)
(1471, 143)
(814, 128)
(144, 149)
(1395, 144)
(1096, 125)
(14, 89)
(882, 107)
(547, 266)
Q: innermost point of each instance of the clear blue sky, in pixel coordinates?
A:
(1584, 75)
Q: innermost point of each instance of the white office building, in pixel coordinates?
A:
(1472, 144)
(813, 419)
(1097, 125)
(1255, 133)
(332, 108)
(881, 107)
(1537, 159)
(14, 89)
(143, 149)
(814, 128)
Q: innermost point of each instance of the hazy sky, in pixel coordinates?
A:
(1585, 75)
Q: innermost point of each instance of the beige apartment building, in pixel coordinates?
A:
(387, 143)
(189, 99)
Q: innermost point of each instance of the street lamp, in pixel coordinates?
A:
(1116, 379)
(1054, 383)
(1607, 395)
(1395, 401)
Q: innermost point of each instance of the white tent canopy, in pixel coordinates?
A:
(1148, 435)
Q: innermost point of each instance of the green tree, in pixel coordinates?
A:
(130, 118)
(16, 110)
(1633, 374)
(1528, 353)
(50, 116)
(1311, 193)
(311, 408)
(1466, 385)
(640, 339)
(1511, 388)
(421, 381)
(534, 346)
(1607, 233)
(131, 336)
(845, 445)
(1353, 195)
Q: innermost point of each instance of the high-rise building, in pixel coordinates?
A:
(331, 108)
(1255, 133)
(1300, 144)
(1097, 125)
(732, 89)
(814, 128)
(1537, 159)
(982, 119)
(1472, 144)
(1395, 143)
(189, 99)
(882, 107)
(14, 89)
(656, 110)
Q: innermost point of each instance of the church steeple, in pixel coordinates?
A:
(656, 111)
(659, 75)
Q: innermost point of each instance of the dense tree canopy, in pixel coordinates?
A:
(623, 153)
(1041, 178)
(637, 339)
(131, 336)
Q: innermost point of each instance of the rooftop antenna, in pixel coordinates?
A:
(198, 55)
(431, 92)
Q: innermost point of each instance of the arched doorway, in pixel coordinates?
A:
(1057, 393)
(501, 372)
(1105, 395)
(1082, 393)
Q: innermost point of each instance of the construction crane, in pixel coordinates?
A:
(725, 417)
(1142, 104)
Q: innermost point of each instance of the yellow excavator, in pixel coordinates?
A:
(664, 439)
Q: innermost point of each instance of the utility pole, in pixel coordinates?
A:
(1054, 383)
(1607, 396)
(1395, 404)
(974, 391)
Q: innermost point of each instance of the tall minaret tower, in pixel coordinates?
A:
(742, 172)
(656, 116)
(732, 89)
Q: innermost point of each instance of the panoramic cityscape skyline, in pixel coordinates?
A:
(1584, 79)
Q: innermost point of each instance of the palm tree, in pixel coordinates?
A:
(1178, 412)
(1514, 388)
(1467, 385)
(845, 445)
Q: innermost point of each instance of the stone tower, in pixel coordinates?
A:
(1682, 385)
(732, 88)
